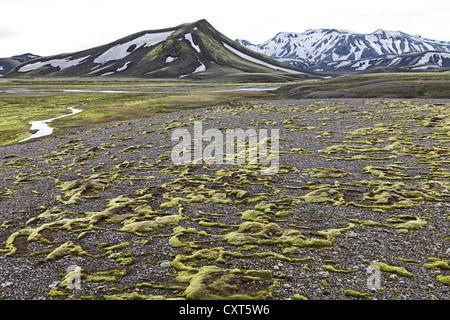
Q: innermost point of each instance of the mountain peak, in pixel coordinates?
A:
(314, 46)
(393, 34)
(194, 50)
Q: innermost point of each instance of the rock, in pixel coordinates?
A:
(165, 264)
(352, 234)
(393, 277)
(6, 284)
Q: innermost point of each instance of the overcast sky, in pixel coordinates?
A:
(47, 27)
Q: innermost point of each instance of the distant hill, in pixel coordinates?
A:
(7, 64)
(332, 50)
(193, 50)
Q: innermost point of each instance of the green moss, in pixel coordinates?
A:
(356, 294)
(213, 283)
(400, 222)
(266, 207)
(325, 195)
(118, 246)
(407, 222)
(394, 269)
(132, 296)
(54, 292)
(65, 249)
(406, 260)
(74, 190)
(443, 279)
(181, 232)
(333, 269)
(382, 128)
(437, 263)
(123, 258)
(386, 173)
(170, 204)
(254, 215)
(69, 276)
(326, 173)
(255, 233)
(145, 226)
(299, 297)
(107, 275)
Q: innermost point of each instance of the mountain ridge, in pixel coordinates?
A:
(9, 63)
(191, 50)
(313, 47)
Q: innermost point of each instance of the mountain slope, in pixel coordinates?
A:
(194, 50)
(317, 46)
(418, 61)
(7, 64)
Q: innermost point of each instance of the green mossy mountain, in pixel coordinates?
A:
(193, 50)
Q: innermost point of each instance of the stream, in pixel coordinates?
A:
(41, 128)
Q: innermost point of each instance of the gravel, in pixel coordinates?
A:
(35, 170)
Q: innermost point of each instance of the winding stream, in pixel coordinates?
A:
(41, 128)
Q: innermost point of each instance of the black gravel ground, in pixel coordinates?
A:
(311, 235)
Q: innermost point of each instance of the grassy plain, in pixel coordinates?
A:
(25, 100)
(373, 85)
(28, 100)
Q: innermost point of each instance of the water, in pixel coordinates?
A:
(41, 128)
(169, 90)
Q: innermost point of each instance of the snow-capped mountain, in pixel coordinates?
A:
(7, 64)
(315, 46)
(193, 50)
(418, 61)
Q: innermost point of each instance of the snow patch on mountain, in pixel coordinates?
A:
(188, 37)
(171, 59)
(431, 57)
(124, 67)
(254, 60)
(55, 63)
(201, 68)
(121, 51)
(362, 65)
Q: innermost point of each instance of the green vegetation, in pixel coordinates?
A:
(373, 85)
(18, 109)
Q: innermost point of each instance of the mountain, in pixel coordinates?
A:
(193, 50)
(311, 49)
(418, 61)
(7, 64)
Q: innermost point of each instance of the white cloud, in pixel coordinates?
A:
(47, 27)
